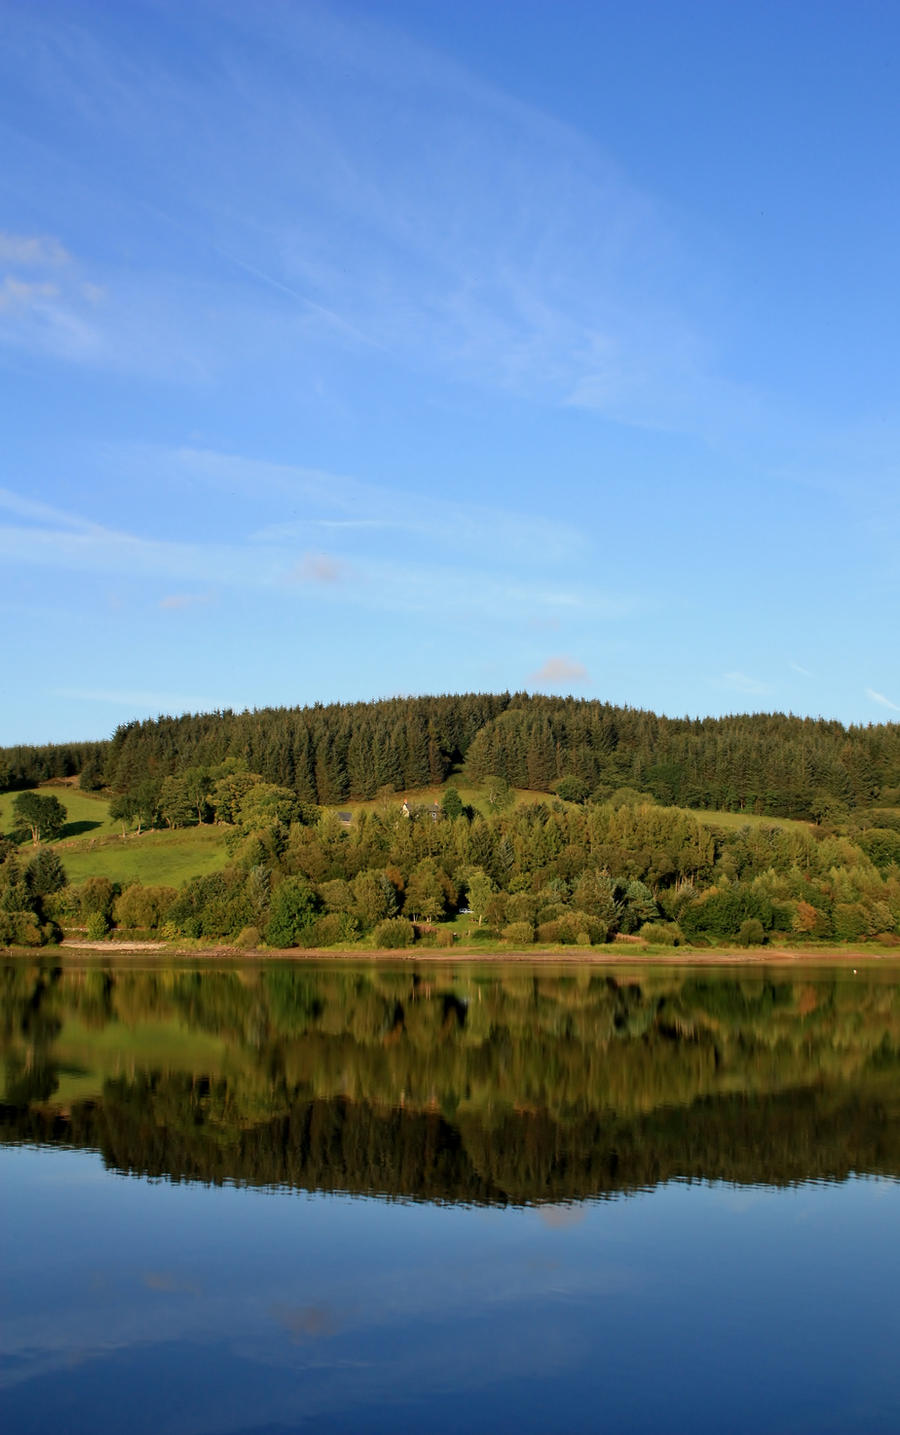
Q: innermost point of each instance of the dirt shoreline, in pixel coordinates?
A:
(614, 955)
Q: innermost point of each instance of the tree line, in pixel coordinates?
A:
(552, 872)
(767, 763)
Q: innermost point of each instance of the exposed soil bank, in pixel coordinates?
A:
(613, 955)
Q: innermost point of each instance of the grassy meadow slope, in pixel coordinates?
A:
(165, 859)
(92, 844)
(87, 812)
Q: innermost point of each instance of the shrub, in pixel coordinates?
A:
(444, 937)
(21, 929)
(97, 926)
(722, 913)
(292, 912)
(394, 932)
(522, 907)
(212, 906)
(751, 933)
(248, 937)
(521, 934)
(143, 907)
(573, 929)
(334, 927)
(95, 896)
(495, 909)
(572, 789)
(662, 934)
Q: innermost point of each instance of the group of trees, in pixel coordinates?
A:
(28, 892)
(765, 763)
(549, 872)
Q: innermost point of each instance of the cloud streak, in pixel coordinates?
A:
(882, 701)
(32, 251)
(420, 212)
(178, 602)
(138, 699)
(266, 562)
(743, 683)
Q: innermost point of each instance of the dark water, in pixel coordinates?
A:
(282, 1197)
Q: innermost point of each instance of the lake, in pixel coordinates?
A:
(273, 1197)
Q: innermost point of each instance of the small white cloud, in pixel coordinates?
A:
(38, 251)
(804, 672)
(318, 568)
(19, 294)
(174, 602)
(882, 700)
(743, 683)
(559, 669)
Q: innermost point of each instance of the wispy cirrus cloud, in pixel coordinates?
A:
(34, 511)
(39, 251)
(47, 311)
(146, 700)
(416, 211)
(882, 701)
(744, 683)
(348, 504)
(20, 295)
(418, 581)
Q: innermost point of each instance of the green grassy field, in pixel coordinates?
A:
(92, 844)
(87, 813)
(164, 859)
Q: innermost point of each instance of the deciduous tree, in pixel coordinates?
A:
(43, 817)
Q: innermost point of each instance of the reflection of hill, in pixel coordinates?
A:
(499, 1086)
(336, 1145)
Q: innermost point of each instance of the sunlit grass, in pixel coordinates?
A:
(154, 858)
(87, 813)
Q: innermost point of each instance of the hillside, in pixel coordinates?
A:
(763, 764)
(516, 819)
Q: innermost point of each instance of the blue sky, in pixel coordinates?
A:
(350, 350)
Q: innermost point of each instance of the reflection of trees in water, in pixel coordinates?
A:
(494, 1084)
(159, 1128)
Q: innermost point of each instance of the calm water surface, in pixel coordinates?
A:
(283, 1197)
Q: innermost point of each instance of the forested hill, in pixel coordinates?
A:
(768, 763)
